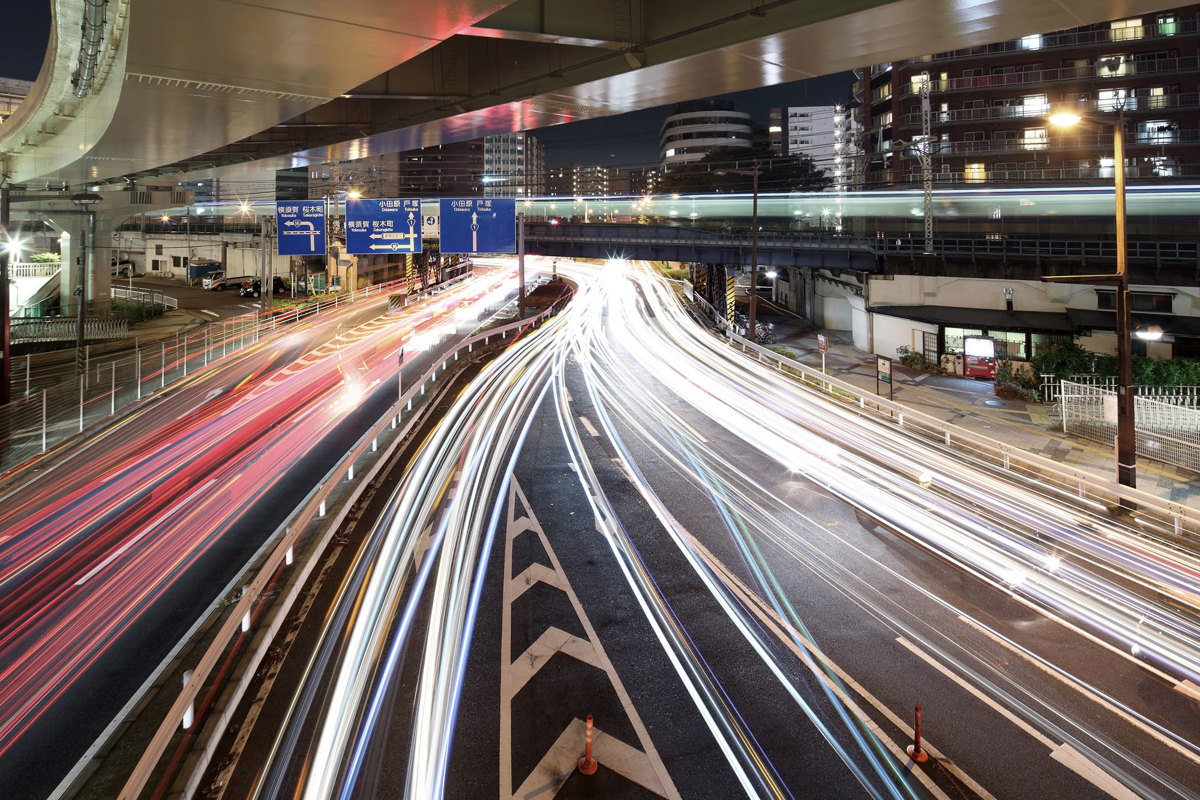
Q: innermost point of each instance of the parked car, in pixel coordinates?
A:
(254, 288)
(218, 281)
(122, 269)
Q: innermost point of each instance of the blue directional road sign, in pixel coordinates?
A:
(479, 225)
(383, 226)
(301, 227)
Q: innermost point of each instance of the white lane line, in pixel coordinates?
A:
(117, 553)
(1093, 695)
(590, 428)
(1082, 766)
(1063, 753)
(210, 313)
(1185, 687)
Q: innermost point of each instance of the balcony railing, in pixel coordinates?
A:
(1052, 174)
(1186, 101)
(1075, 142)
(1038, 77)
(1069, 39)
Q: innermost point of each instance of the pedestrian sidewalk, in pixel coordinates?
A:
(972, 404)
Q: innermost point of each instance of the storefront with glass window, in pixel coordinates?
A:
(1019, 336)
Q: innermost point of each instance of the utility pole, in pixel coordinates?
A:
(925, 154)
(266, 281)
(753, 332)
(84, 201)
(521, 264)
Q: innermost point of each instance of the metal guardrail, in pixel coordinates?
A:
(65, 329)
(288, 534)
(1171, 518)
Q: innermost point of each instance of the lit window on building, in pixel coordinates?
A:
(1124, 29)
(1031, 42)
(1157, 131)
(1113, 66)
(1035, 139)
(1035, 106)
(975, 173)
(1163, 166)
(1166, 24)
(1115, 99)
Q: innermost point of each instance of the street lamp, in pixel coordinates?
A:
(755, 172)
(1126, 429)
(772, 274)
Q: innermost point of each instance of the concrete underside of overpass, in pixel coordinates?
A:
(232, 88)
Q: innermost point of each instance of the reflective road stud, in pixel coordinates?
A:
(587, 764)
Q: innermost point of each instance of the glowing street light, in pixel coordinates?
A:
(1126, 429)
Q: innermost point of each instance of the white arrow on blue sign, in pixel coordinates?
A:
(479, 225)
(301, 227)
(383, 226)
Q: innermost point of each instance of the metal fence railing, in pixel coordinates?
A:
(65, 329)
(34, 269)
(1181, 395)
(62, 401)
(1164, 430)
(148, 296)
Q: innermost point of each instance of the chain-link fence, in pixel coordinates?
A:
(1167, 429)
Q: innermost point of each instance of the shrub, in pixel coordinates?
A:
(45, 258)
(1063, 360)
(917, 361)
(1015, 384)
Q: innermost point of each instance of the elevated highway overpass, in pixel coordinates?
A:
(135, 90)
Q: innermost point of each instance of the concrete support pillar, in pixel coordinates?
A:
(809, 309)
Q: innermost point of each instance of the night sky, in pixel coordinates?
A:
(23, 38)
(632, 139)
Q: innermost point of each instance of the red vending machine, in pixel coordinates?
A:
(979, 357)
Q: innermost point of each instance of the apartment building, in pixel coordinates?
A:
(449, 170)
(989, 105)
(514, 165)
(695, 129)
